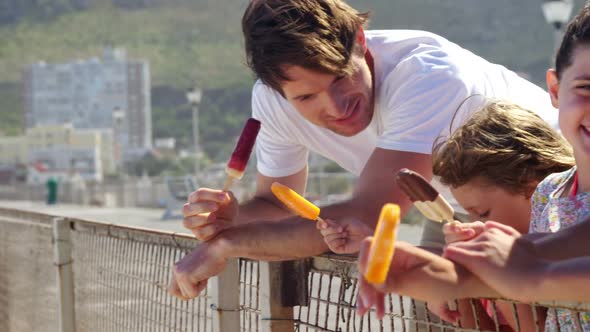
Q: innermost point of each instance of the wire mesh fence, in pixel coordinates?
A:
(28, 300)
(124, 287)
(121, 273)
(249, 290)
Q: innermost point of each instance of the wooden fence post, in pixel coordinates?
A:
(225, 298)
(283, 285)
(62, 255)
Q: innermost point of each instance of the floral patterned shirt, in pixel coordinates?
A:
(554, 208)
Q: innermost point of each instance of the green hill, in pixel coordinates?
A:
(199, 42)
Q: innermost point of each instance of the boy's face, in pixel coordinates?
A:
(571, 94)
(343, 105)
(489, 202)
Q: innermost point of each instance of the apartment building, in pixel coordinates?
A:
(111, 92)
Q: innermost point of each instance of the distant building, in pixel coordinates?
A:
(112, 92)
(59, 151)
(165, 143)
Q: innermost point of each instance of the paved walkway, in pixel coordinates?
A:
(143, 217)
(131, 216)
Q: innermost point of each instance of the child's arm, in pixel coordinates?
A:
(442, 309)
(419, 274)
(344, 236)
(455, 232)
(512, 266)
(567, 243)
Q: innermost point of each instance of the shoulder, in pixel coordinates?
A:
(268, 104)
(552, 182)
(415, 50)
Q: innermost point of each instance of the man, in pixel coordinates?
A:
(372, 101)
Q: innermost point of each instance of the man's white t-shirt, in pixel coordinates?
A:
(422, 85)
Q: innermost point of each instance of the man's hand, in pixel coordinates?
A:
(190, 274)
(208, 212)
(501, 258)
(344, 236)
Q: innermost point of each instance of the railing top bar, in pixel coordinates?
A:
(341, 265)
(575, 306)
(180, 240)
(108, 229)
(25, 214)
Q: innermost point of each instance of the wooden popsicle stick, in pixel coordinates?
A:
(228, 182)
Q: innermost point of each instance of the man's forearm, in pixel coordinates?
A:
(363, 208)
(272, 241)
(260, 209)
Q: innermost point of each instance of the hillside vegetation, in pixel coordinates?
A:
(199, 42)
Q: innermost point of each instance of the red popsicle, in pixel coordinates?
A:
(239, 158)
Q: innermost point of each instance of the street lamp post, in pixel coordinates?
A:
(194, 98)
(118, 118)
(557, 13)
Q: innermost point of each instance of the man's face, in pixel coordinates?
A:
(343, 105)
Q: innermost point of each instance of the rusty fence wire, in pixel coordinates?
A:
(120, 276)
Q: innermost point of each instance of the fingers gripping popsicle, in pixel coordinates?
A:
(239, 158)
(425, 198)
(383, 244)
(295, 202)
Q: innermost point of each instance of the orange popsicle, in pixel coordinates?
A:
(382, 247)
(295, 202)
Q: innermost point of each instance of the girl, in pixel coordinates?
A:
(563, 199)
(493, 164)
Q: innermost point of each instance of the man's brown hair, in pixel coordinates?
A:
(502, 144)
(317, 35)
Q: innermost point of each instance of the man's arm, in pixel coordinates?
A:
(293, 237)
(210, 211)
(297, 237)
(375, 187)
(264, 205)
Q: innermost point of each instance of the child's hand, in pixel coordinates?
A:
(441, 309)
(455, 232)
(344, 236)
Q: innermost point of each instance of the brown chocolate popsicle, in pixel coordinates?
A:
(425, 198)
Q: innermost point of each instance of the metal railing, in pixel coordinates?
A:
(64, 274)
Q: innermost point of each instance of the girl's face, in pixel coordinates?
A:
(484, 201)
(571, 94)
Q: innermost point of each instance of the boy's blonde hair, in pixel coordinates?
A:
(318, 35)
(505, 145)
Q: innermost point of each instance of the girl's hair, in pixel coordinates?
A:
(502, 144)
(576, 33)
